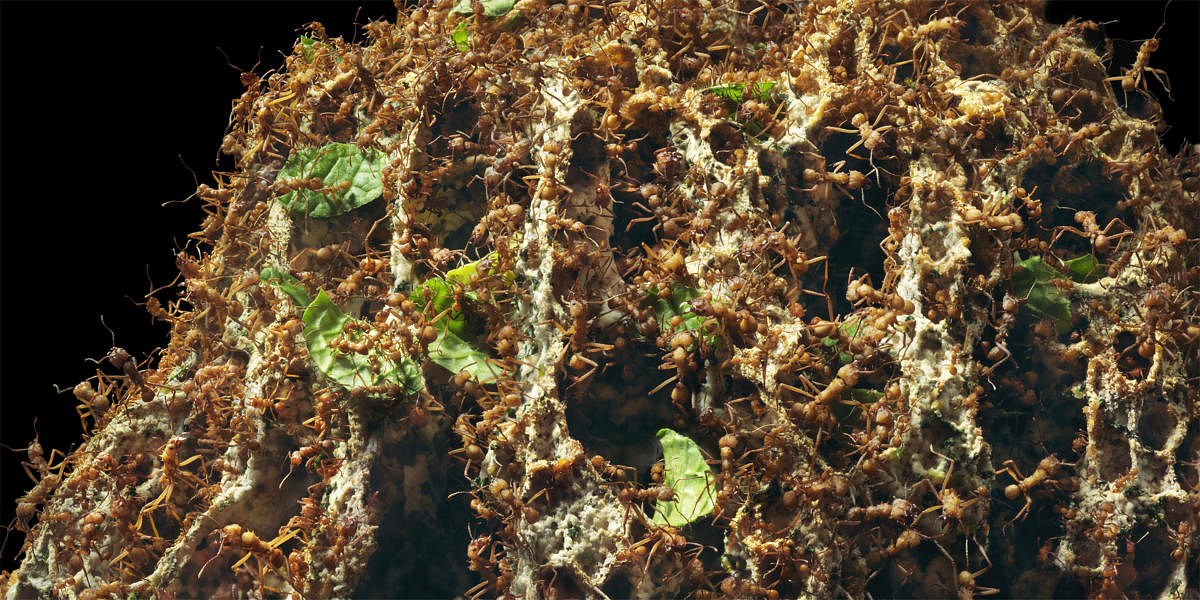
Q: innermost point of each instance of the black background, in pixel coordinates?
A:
(103, 105)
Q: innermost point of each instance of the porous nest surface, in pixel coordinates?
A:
(917, 276)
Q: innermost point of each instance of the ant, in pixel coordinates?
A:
(965, 580)
(1045, 469)
(1134, 76)
(37, 458)
(170, 472)
(952, 506)
(1100, 239)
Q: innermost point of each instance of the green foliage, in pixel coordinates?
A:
(850, 328)
(453, 348)
(309, 47)
(1035, 281)
(863, 395)
(323, 322)
(491, 8)
(337, 164)
(1084, 269)
(306, 43)
(846, 409)
(736, 92)
(688, 474)
(287, 284)
(679, 304)
(457, 354)
(460, 35)
(439, 293)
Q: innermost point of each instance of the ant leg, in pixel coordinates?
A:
(1013, 471)
(477, 591)
(1024, 509)
(663, 384)
(1007, 355)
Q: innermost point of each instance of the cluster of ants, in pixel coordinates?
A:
(646, 214)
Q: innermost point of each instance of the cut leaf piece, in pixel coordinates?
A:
(460, 35)
(491, 8)
(323, 322)
(309, 47)
(453, 349)
(408, 375)
(307, 44)
(287, 284)
(851, 326)
(355, 174)
(864, 395)
(457, 355)
(688, 474)
(736, 92)
(679, 304)
(1036, 283)
(1084, 269)
(439, 295)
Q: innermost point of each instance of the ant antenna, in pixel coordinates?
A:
(110, 331)
(114, 340)
(195, 180)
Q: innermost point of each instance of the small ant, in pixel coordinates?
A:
(37, 459)
(1133, 77)
(170, 472)
(1100, 240)
(952, 506)
(1046, 469)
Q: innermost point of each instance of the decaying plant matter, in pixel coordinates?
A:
(916, 280)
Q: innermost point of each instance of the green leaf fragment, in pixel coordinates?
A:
(463, 274)
(452, 348)
(736, 92)
(408, 375)
(307, 44)
(1085, 269)
(458, 355)
(287, 284)
(324, 322)
(359, 173)
(679, 304)
(731, 92)
(438, 294)
(460, 35)
(864, 395)
(309, 47)
(689, 475)
(1036, 283)
(441, 292)
(491, 8)
(851, 327)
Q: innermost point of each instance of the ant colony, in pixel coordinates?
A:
(642, 299)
